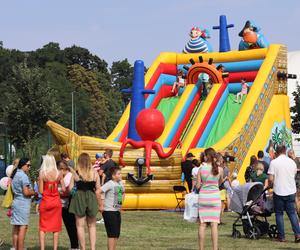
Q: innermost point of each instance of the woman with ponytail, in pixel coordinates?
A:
(22, 189)
(209, 178)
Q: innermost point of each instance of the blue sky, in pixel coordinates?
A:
(137, 29)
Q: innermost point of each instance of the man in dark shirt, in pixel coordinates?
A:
(260, 158)
(186, 168)
(104, 171)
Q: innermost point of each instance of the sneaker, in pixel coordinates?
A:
(101, 221)
(280, 240)
(297, 239)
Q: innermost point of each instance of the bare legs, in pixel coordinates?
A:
(112, 243)
(18, 236)
(201, 235)
(80, 224)
(239, 96)
(55, 240)
(91, 221)
(214, 235)
(43, 240)
(15, 233)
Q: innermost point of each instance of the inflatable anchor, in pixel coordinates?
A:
(140, 180)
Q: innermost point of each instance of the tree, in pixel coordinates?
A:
(295, 110)
(81, 56)
(30, 102)
(92, 121)
(122, 77)
(50, 52)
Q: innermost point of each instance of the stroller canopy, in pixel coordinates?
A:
(245, 193)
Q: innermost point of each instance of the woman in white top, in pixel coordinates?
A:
(68, 218)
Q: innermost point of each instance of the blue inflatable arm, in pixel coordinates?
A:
(137, 98)
(224, 44)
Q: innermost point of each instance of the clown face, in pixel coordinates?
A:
(195, 33)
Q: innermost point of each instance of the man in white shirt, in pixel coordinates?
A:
(282, 172)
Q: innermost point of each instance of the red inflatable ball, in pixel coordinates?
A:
(150, 124)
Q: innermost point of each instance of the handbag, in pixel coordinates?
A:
(8, 198)
(191, 213)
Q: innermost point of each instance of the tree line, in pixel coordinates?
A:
(36, 86)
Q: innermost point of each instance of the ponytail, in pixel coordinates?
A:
(22, 162)
(211, 156)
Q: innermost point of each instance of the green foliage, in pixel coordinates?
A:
(28, 102)
(37, 85)
(296, 111)
(122, 77)
(93, 120)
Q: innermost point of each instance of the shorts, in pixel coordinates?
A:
(112, 222)
(84, 203)
(223, 194)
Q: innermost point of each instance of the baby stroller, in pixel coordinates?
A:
(245, 201)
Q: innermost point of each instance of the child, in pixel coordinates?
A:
(99, 161)
(180, 82)
(221, 68)
(112, 196)
(243, 92)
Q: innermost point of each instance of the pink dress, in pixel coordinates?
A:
(209, 196)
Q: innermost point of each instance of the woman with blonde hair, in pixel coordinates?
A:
(50, 207)
(86, 202)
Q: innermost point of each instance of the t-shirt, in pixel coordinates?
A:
(106, 168)
(113, 192)
(67, 182)
(259, 178)
(195, 172)
(225, 171)
(266, 166)
(235, 183)
(284, 170)
(186, 168)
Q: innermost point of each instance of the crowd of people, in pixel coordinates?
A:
(210, 178)
(74, 197)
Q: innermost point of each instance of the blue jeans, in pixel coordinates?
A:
(287, 204)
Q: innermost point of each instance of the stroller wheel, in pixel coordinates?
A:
(236, 234)
(273, 232)
(254, 233)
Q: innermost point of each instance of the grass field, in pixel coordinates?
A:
(143, 230)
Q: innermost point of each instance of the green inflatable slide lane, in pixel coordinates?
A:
(167, 105)
(224, 120)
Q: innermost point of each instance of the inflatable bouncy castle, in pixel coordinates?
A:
(158, 129)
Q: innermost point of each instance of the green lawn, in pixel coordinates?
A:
(143, 230)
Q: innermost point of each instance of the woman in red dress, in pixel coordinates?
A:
(50, 207)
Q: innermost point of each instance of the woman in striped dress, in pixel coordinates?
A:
(209, 178)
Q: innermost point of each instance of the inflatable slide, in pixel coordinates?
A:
(201, 114)
(217, 121)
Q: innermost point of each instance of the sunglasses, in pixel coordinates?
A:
(28, 165)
